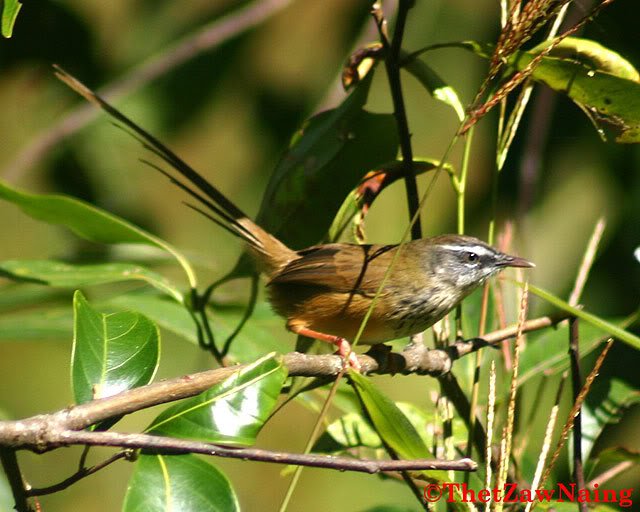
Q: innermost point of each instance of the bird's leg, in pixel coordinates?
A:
(344, 347)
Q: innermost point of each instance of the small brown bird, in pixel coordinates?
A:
(325, 291)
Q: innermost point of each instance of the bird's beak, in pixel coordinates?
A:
(515, 261)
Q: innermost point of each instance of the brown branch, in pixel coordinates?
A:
(416, 359)
(207, 38)
(57, 438)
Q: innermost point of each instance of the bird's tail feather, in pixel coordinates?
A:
(270, 253)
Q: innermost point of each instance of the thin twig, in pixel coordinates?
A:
(77, 476)
(163, 444)
(207, 38)
(576, 379)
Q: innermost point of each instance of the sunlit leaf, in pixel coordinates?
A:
(65, 275)
(10, 10)
(436, 86)
(162, 483)
(87, 221)
(111, 352)
(598, 80)
(231, 412)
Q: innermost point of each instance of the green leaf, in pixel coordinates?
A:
(40, 324)
(162, 483)
(111, 352)
(88, 222)
(231, 412)
(436, 86)
(392, 424)
(10, 11)
(603, 84)
(65, 275)
(6, 497)
(325, 161)
(590, 318)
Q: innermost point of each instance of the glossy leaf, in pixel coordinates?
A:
(55, 323)
(87, 221)
(325, 161)
(65, 275)
(111, 352)
(10, 10)
(162, 483)
(231, 412)
(598, 80)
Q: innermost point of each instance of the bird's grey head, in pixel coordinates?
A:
(466, 262)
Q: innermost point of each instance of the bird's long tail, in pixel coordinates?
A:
(270, 253)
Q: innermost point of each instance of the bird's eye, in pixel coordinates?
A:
(471, 257)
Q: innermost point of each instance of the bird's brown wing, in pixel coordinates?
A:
(344, 268)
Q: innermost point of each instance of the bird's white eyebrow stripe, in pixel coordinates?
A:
(480, 250)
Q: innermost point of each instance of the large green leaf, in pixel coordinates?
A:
(65, 275)
(325, 161)
(111, 352)
(163, 483)
(598, 80)
(10, 10)
(231, 412)
(87, 221)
